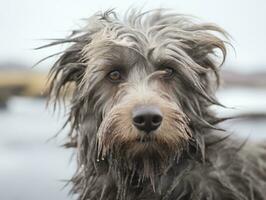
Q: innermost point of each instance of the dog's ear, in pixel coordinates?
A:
(208, 41)
(69, 69)
(66, 74)
(193, 44)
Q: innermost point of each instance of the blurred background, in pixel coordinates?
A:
(34, 167)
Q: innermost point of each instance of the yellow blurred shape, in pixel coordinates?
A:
(31, 84)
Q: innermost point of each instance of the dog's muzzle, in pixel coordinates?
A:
(147, 118)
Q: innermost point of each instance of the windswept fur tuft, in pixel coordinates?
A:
(188, 157)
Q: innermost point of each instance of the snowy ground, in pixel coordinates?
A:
(33, 168)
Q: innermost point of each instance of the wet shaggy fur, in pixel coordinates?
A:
(188, 157)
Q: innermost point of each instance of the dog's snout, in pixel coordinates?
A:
(147, 118)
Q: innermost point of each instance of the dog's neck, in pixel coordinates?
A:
(128, 183)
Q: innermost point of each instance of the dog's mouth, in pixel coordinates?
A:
(145, 139)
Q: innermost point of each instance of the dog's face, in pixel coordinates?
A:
(142, 117)
(148, 82)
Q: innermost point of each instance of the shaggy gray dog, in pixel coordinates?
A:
(140, 112)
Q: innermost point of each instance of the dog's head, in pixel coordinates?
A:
(142, 87)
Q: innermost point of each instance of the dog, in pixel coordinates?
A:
(140, 116)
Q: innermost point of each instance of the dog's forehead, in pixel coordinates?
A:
(134, 44)
(110, 46)
(120, 36)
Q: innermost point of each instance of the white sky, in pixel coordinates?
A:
(23, 23)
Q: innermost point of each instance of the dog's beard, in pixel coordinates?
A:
(133, 154)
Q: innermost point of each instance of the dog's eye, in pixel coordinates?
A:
(115, 76)
(169, 72)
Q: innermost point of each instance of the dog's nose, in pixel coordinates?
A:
(147, 118)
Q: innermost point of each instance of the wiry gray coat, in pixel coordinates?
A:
(208, 164)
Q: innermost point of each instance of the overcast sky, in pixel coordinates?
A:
(23, 23)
